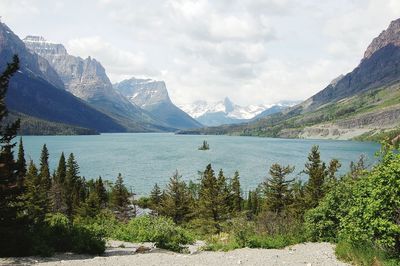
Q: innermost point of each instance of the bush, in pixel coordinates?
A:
(160, 230)
(364, 255)
(323, 222)
(59, 235)
(374, 216)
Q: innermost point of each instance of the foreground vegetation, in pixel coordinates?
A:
(42, 212)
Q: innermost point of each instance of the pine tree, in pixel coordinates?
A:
(10, 190)
(58, 189)
(21, 163)
(224, 197)
(249, 202)
(44, 171)
(101, 192)
(91, 207)
(72, 186)
(35, 196)
(208, 204)
(177, 201)
(155, 197)
(316, 171)
(236, 197)
(61, 170)
(120, 198)
(277, 188)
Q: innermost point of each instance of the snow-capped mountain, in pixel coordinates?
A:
(199, 108)
(226, 112)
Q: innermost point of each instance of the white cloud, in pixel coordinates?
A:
(254, 51)
(119, 63)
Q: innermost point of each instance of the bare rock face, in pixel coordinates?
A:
(152, 96)
(85, 78)
(144, 92)
(30, 63)
(389, 36)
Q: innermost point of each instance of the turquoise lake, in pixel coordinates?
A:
(146, 159)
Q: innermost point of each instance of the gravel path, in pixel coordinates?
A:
(302, 254)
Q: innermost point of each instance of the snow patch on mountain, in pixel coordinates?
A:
(231, 110)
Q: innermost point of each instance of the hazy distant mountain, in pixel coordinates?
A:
(360, 104)
(152, 96)
(226, 112)
(87, 79)
(37, 91)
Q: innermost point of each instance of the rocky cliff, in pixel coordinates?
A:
(152, 96)
(87, 79)
(37, 91)
(389, 36)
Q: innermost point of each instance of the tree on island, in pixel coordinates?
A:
(204, 146)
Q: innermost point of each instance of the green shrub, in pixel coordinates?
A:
(323, 222)
(374, 216)
(59, 235)
(364, 255)
(160, 230)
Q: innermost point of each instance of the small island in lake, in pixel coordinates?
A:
(205, 146)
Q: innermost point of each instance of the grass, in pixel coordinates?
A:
(364, 255)
(226, 242)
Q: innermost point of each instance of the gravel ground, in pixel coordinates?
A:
(119, 253)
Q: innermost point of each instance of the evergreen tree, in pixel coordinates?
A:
(277, 188)
(236, 196)
(72, 186)
(316, 171)
(155, 197)
(101, 192)
(61, 170)
(223, 195)
(333, 167)
(35, 196)
(10, 190)
(21, 163)
(208, 209)
(256, 202)
(120, 198)
(91, 207)
(44, 171)
(177, 201)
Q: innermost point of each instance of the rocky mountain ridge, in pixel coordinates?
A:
(37, 91)
(152, 96)
(87, 79)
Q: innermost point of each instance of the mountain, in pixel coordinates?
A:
(152, 96)
(87, 79)
(37, 91)
(226, 112)
(360, 104)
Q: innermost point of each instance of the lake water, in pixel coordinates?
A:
(144, 159)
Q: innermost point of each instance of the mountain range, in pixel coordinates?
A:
(76, 94)
(227, 112)
(360, 104)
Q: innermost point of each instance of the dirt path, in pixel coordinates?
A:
(303, 254)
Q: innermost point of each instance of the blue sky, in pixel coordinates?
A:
(259, 51)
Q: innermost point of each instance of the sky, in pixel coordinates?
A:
(253, 51)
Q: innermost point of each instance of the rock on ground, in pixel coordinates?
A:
(120, 253)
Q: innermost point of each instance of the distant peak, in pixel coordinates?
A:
(389, 36)
(32, 38)
(229, 106)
